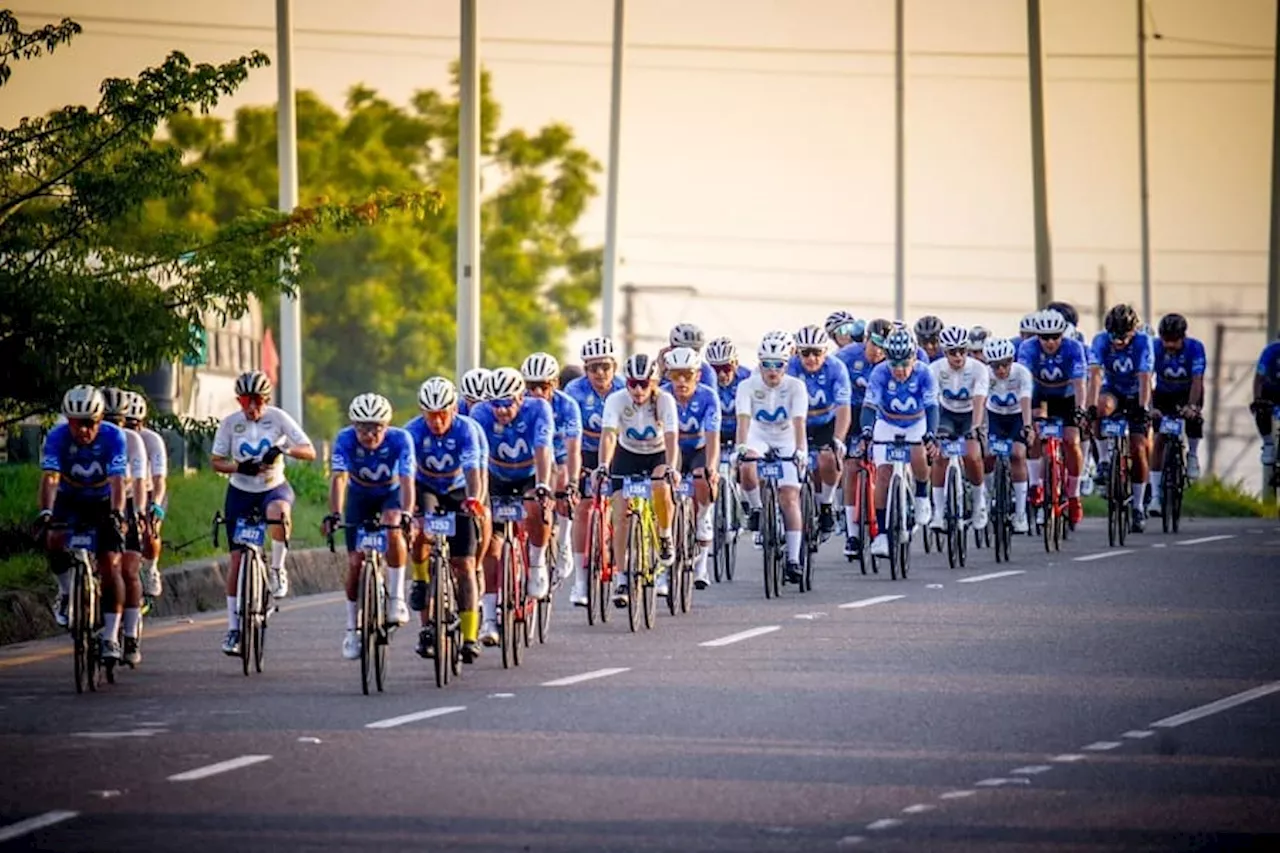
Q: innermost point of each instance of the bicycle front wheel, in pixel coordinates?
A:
(896, 523)
(367, 617)
(80, 620)
(506, 605)
(634, 579)
(440, 620)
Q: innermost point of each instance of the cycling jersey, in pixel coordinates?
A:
(442, 461)
(511, 447)
(591, 407)
(772, 409)
(84, 471)
(958, 388)
(1053, 374)
(136, 464)
(464, 408)
(1269, 367)
(1120, 367)
(1175, 370)
(728, 395)
(901, 403)
(157, 454)
(378, 470)
(568, 424)
(1005, 395)
(699, 415)
(829, 388)
(859, 366)
(641, 429)
(240, 439)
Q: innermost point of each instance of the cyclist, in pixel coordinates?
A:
(1027, 326)
(1120, 366)
(474, 388)
(722, 355)
(118, 402)
(156, 493)
(371, 477)
(452, 459)
(698, 416)
(901, 401)
(1179, 367)
(83, 468)
(1009, 417)
(977, 342)
(589, 392)
(827, 427)
(1057, 365)
(927, 329)
(1069, 313)
(541, 374)
(839, 328)
(962, 399)
(249, 445)
(860, 358)
(520, 431)
(772, 409)
(640, 437)
(688, 335)
(858, 331)
(1266, 396)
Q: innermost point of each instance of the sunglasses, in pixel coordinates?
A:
(682, 374)
(722, 368)
(772, 364)
(599, 367)
(536, 387)
(958, 352)
(899, 362)
(251, 400)
(638, 383)
(370, 429)
(504, 403)
(811, 352)
(81, 423)
(1050, 337)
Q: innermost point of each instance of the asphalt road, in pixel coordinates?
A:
(1069, 706)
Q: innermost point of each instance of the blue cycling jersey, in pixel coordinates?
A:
(829, 388)
(442, 461)
(1175, 370)
(699, 415)
(511, 447)
(376, 471)
(85, 470)
(1053, 374)
(590, 407)
(728, 395)
(1269, 367)
(859, 365)
(1120, 367)
(568, 421)
(901, 403)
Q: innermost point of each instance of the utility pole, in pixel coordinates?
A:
(899, 156)
(629, 292)
(468, 269)
(1144, 186)
(1039, 180)
(1101, 306)
(1273, 262)
(287, 165)
(609, 277)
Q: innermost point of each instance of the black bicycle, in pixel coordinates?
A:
(446, 622)
(1001, 523)
(253, 592)
(1174, 478)
(1119, 493)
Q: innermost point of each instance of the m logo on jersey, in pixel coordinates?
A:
(1175, 371)
(691, 425)
(1004, 401)
(818, 398)
(248, 450)
(439, 463)
(1051, 373)
(377, 475)
(519, 450)
(902, 406)
(649, 433)
(777, 415)
(962, 394)
(1122, 365)
(593, 422)
(84, 472)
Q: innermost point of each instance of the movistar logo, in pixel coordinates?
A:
(84, 472)
(818, 398)
(778, 414)
(1122, 365)
(519, 450)
(907, 405)
(691, 425)
(649, 433)
(248, 450)
(382, 472)
(962, 394)
(1007, 401)
(1051, 373)
(1175, 371)
(439, 463)
(594, 422)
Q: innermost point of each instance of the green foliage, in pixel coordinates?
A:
(1207, 498)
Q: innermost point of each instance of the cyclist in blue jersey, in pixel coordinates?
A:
(472, 388)
(520, 430)
(839, 328)
(1179, 366)
(541, 374)
(722, 355)
(83, 467)
(1120, 366)
(698, 414)
(927, 330)
(687, 335)
(371, 478)
(860, 359)
(1266, 397)
(589, 392)
(452, 460)
(901, 401)
(830, 390)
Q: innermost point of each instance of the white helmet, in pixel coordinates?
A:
(1050, 322)
(686, 335)
(83, 401)
(684, 358)
(137, 410)
(505, 383)
(437, 394)
(954, 337)
(253, 383)
(998, 349)
(811, 336)
(783, 337)
(116, 401)
(1028, 324)
(640, 368)
(978, 338)
(775, 345)
(475, 384)
(721, 351)
(370, 409)
(540, 367)
(597, 348)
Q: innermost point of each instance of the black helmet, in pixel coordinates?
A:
(928, 327)
(1173, 327)
(1121, 320)
(1067, 310)
(877, 330)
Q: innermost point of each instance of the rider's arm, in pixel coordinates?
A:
(304, 452)
(608, 441)
(543, 462)
(117, 493)
(800, 433)
(713, 449)
(159, 489)
(48, 489)
(1144, 390)
(1078, 389)
(139, 487)
(931, 418)
(1257, 386)
(671, 442)
(220, 454)
(979, 412)
(744, 423)
(1095, 384)
(842, 425)
(475, 484)
(337, 492)
(573, 446)
(868, 418)
(408, 495)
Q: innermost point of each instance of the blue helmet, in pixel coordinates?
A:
(899, 345)
(858, 330)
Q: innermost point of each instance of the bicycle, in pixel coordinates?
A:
(1054, 468)
(1119, 493)
(600, 568)
(680, 586)
(773, 538)
(84, 609)
(445, 621)
(641, 558)
(956, 498)
(517, 608)
(371, 615)
(1174, 478)
(728, 523)
(864, 478)
(1001, 523)
(545, 605)
(253, 594)
(900, 509)
(810, 528)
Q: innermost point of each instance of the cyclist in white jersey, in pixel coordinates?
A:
(1009, 415)
(157, 493)
(962, 397)
(772, 410)
(118, 403)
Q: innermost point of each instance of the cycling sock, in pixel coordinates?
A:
(562, 533)
(939, 496)
(64, 582)
(278, 552)
(233, 623)
(794, 542)
(129, 625)
(850, 521)
(1156, 477)
(470, 621)
(828, 493)
(395, 582)
(880, 523)
(980, 494)
(704, 533)
(1019, 498)
(1139, 492)
(111, 627)
(922, 488)
(1073, 486)
(753, 497)
(149, 565)
(580, 565)
(664, 532)
(537, 556)
(1033, 471)
(489, 604)
(700, 562)
(1193, 447)
(420, 571)
(353, 612)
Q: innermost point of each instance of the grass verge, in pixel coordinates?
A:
(1206, 498)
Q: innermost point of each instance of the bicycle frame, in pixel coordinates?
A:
(1119, 494)
(1174, 472)
(253, 594)
(728, 521)
(516, 609)
(1054, 478)
(899, 507)
(600, 568)
(956, 495)
(641, 550)
(1002, 509)
(772, 529)
(438, 527)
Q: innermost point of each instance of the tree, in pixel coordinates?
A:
(85, 294)
(379, 313)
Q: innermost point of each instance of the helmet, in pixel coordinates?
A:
(811, 336)
(254, 383)
(137, 410)
(1121, 320)
(837, 320)
(877, 330)
(977, 338)
(998, 349)
(774, 346)
(540, 367)
(598, 348)
(475, 384)
(683, 358)
(1173, 327)
(721, 351)
(640, 368)
(83, 401)
(504, 384)
(437, 394)
(570, 372)
(858, 330)
(686, 335)
(1050, 322)
(954, 337)
(928, 327)
(899, 345)
(370, 409)
(1028, 324)
(1067, 310)
(115, 402)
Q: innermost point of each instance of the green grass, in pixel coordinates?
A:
(192, 502)
(1208, 498)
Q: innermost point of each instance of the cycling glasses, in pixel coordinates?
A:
(772, 364)
(638, 383)
(900, 362)
(1050, 337)
(504, 403)
(722, 368)
(599, 367)
(251, 400)
(682, 374)
(536, 387)
(811, 352)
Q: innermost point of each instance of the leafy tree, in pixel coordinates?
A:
(78, 303)
(379, 312)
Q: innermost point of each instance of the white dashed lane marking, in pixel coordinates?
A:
(1102, 745)
(992, 576)
(867, 602)
(586, 676)
(221, 767)
(1102, 555)
(741, 635)
(1203, 539)
(392, 722)
(31, 824)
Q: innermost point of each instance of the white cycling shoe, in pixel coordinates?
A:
(880, 545)
(351, 645)
(397, 612)
(537, 585)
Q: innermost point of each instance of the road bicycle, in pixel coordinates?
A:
(680, 582)
(600, 568)
(899, 507)
(864, 478)
(1053, 524)
(254, 604)
(956, 502)
(371, 614)
(728, 523)
(641, 560)
(1119, 493)
(1173, 481)
(1001, 521)
(516, 608)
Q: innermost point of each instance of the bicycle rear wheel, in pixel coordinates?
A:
(896, 523)
(678, 555)
(249, 561)
(954, 519)
(862, 488)
(1049, 503)
(720, 538)
(522, 613)
(381, 631)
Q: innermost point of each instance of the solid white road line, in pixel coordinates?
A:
(992, 576)
(586, 676)
(742, 635)
(1102, 745)
(221, 767)
(1102, 555)
(1204, 539)
(867, 602)
(1214, 707)
(31, 824)
(392, 722)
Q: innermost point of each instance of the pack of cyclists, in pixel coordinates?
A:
(819, 396)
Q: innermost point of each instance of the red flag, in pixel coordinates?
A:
(270, 358)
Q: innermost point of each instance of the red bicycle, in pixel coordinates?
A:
(864, 478)
(600, 568)
(1053, 502)
(517, 609)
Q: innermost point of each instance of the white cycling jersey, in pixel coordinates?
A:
(239, 439)
(1004, 395)
(958, 388)
(157, 454)
(136, 463)
(641, 429)
(772, 410)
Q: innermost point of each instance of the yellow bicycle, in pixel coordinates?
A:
(642, 551)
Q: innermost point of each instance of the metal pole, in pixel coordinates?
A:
(1101, 307)
(899, 222)
(1273, 266)
(628, 320)
(468, 272)
(1145, 195)
(287, 164)
(1039, 181)
(610, 272)
(1215, 388)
